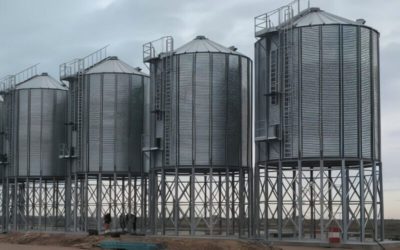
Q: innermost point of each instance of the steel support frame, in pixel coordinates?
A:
(304, 200)
(33, 204)
(201, 202)
(95, 195)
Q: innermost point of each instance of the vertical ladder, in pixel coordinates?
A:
(286, 44)
(167, 66)
(79, 110)
(11, 116)
(158, 86)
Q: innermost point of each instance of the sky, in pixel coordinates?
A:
(52, 32)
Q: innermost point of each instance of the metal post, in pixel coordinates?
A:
(312, 205)
(15, 204)
(233, 202)
(129, 226)
(99, 202)
(27, 204)
(220, 202)
(241, 202)
(192, 205)
(344, 201)
(45, 203)
(250, 202)
(362, 202)
(256, 201)
(176, 202)
(8, 201)
(374, 201)
(227, 205)
(280, 200)
(115, 201)
(67, 203)
(85, 202)
(300, 199)
(381, 210)
(210, 201)
(75, 215)
(321, 199)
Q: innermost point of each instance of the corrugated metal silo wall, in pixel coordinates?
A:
(146, 125)
(38, 118)
(113, 106)
(335, 72)
(2, 141)
(2, 121)
(210, 115)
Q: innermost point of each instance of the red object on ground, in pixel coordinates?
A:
(334, 235)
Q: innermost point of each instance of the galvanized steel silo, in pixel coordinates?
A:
(106, 112)
(112, 118)
(317, 119)
(38, 117)
(34, 176)
(200, 127)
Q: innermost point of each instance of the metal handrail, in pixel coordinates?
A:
(279, 16)
(151, 49)
(75, 66)
(25, 74)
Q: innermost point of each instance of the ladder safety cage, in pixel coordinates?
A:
(280, 16)
(73, 67)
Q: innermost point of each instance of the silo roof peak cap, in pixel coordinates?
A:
(361, 21)
(204, 45)
(113, 58)
(314, 9)
(44, 74)
(201, 37)
(233, 48)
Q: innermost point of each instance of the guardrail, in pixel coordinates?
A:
(71, 68)
(279, 16)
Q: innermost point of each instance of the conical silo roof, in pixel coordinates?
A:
(43, 81)
(316, 16)
(203, 44)
(113, 65)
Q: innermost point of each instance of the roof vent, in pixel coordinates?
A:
(200, 37)
(360, 21)
(139, 69)
(44, 74)
(233, 48)
(113, 58)
(314, 9)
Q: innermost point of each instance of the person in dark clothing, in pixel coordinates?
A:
(107, 222)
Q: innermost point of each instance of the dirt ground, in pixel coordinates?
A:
(71, 241)
(75, 241)
(7, 246)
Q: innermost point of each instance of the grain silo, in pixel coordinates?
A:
(200, 138)
(317, 126)
(33, 174)
(104, 148)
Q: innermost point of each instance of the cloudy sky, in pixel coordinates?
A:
(52, 32)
